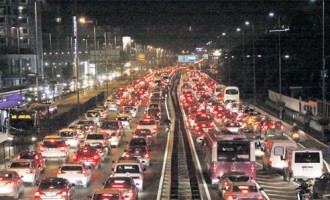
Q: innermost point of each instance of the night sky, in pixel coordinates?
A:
(174, 24)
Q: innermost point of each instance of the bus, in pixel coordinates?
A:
(22, 119)
(230, 94)
(224, 153)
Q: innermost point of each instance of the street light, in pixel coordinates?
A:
(228, 58)
(279, 30)
(76, 61)
(247, 23)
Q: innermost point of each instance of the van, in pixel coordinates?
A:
(303, 163)
(230, 94)
(274, 149)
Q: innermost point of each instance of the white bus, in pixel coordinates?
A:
(231, 94)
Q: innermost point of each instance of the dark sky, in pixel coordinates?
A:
(176, 24)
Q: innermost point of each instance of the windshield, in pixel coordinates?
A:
(128, 168)
(95, 137)
(54, 144)
(147, 122)
(52, 184)
(109, 125)
(72, 168)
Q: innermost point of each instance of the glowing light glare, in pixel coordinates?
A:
(271, 14)
(238, 29)
(247, 23)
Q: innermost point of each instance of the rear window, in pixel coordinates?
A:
(238, 178)
(86, 152)
(52, 184)
(92, 114)
(231, 91)
(95, 137)
(109, 125)
(67, 134)
(307, 157)
(147, 122)
(71, 168)
(128, 168)
(20, 165)
(27, 155)
(53, 144)
(138, 141)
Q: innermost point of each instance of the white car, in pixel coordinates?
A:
(114, 139)
(94, 115)
(76, 174)
(129, 167)
(54, 147)
(27, 169)
(70, 136)
(11, 184)
(124, 119)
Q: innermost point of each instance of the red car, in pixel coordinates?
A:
(33, 155)
(88, 156)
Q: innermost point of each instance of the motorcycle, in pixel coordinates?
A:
(304, 190)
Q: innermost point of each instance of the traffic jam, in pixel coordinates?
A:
(237, 145)
(115, 138)
(114, 151)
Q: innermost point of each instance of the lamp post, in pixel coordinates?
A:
(228, 58)
(76, 61)
(279, 30)
(247, 23)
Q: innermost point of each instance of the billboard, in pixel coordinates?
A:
(187, 58)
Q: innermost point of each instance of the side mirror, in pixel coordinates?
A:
(261, 189)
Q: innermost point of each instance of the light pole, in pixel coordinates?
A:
(228, 57)
(247, 23)
(76, 61)
(279, 30)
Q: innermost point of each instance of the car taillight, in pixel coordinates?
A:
(60, 172)
(231, 197)
(63, 193)
(282, 128)
(149, 136)
(146, 155)
(10, 183)
(214, 167)
(41, 148)
(75, 157)
(259, 197)
(63, 149)
(252, 169)
(95, 157)
(29, 171)
(37, 194)
(244, 191)
(117, 185)
(82, 172)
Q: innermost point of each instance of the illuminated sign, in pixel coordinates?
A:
(187, 58)
(21, 117)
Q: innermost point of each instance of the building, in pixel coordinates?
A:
(20, 41)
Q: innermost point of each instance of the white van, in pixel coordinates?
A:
(230, 94)
(303, 163)
(274, 149)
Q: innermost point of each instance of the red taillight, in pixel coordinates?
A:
(75, 157)
(231, 197)
(60, 172)
(282, 128)
(146, 155)
(63, 193)
(41, 148)
(10, 183)
(63, 149)
(82, 172)
(29, 171)
(259, 197)
(95, 157)
(37, 194)
(117, 185)
(252, 169)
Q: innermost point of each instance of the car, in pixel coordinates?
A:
(75, 173)
(111, 105)
(80, 129)
(139, 151)
(124, 118)
(88, 156)
(132, 109)
(27, 169)
(129, 167)
(137, 141)
(155, 112)
(33, 155)
(110, 126)
(11, 184)
(203, 123)
(90, 125)
(55, 188)
(103, 111)
(93, 115)
(243, 190)
(321, 186)
(97, 137)
(70, 136)
(148, 122)
(124, 184)
(107, 194)
(146, 134)
(54, 147)
(101, 148)
(229, 177)
(114, 139)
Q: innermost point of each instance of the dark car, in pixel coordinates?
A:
(321, 186)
